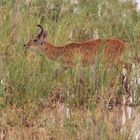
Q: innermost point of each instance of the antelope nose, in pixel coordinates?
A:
(25, 45)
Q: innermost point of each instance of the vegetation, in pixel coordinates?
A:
(41, 100)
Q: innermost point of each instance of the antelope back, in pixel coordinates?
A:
(108, 49)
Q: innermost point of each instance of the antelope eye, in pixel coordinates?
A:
(35, 40)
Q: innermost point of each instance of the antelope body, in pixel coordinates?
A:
(112, 49)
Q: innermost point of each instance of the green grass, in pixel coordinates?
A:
(33, 84)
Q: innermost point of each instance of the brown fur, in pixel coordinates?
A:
(87, 50)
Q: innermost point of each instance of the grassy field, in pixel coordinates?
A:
(38, 100)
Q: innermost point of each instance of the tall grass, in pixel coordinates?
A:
(30, 80)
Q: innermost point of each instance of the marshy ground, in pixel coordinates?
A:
(40, 100)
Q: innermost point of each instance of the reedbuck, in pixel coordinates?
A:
(87, 50)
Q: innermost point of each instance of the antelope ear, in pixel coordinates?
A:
(41, 31)
(44, 36)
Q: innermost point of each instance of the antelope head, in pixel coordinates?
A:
(38, 41)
